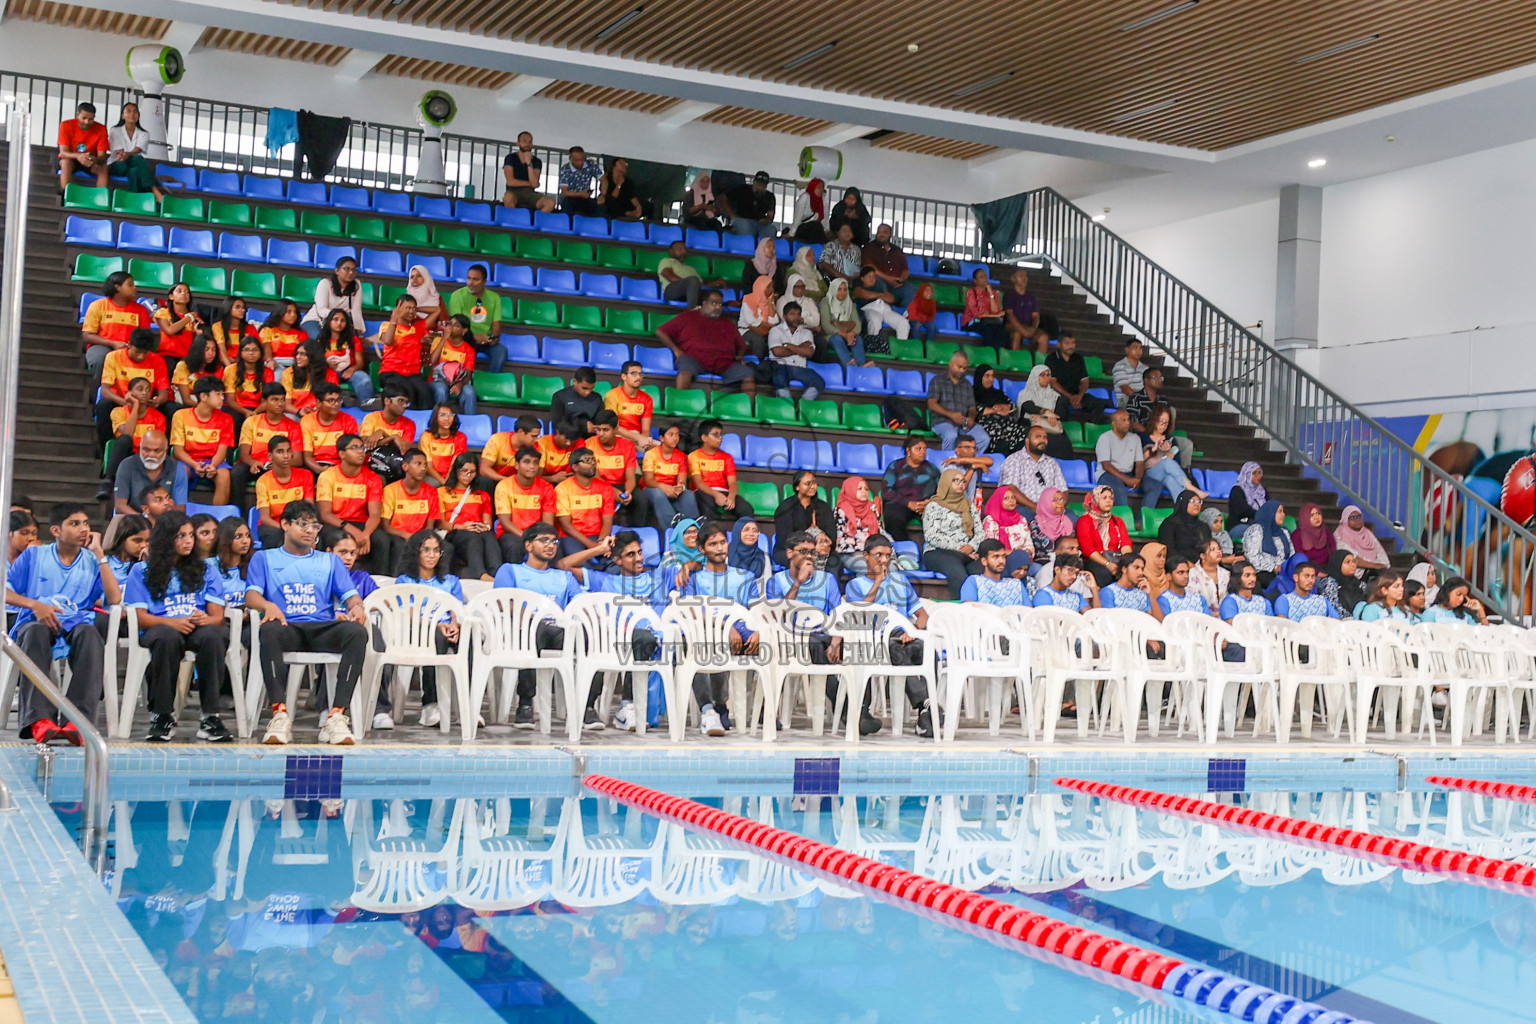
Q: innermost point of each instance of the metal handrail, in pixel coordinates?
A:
(1427, 509)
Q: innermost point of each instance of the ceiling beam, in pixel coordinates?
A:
(839, 134)
(356, 64)
(521, 88)
(183, 35)
(689, 110)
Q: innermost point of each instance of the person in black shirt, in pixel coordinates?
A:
(1069, 378)
(579, 402)
(523, 170)
(750, 207)
(619, 198)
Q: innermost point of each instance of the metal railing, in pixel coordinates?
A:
(1429, 510)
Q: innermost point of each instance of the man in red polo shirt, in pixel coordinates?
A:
(111, 320)
(350, 497)
(121, 368)
(632, 406)
(410, 503)
(555, 450)
(523, 499)
(706, 342)
(202, 436)
(617, 461)
(83, 144)
(322, 426)
(583, 506)
(712, 472)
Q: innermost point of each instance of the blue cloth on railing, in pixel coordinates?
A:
(282, 128)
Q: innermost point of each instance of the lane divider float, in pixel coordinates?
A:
(1214, 990)
(1487, 871)
(1507, 790)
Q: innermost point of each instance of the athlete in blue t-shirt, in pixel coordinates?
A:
(991, 586)
(1304, 602)
(295, 588)
(882, 585)
(716, 578)
(1126, 591)
(1065, 571)
(424, 552)
(1176, 598)
(180, 602)
(632, 582)
(803, 583)
(57, 587)
(1241, 598)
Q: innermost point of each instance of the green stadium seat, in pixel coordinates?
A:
(389, 294)
(153, 275)
(948, 294)
(1016, 360)
(579, 253)
(981, 354)
(94, 269)
(452, 238)
(909, 349)
(821, 413)
(229, 215)
(1073, 430)
(865, 416)
(1127, 517)
(586, 319)
(370, 294)
(537, 313)
(408, 233)
(367, 229)
(270, 219)
(534, 247)
(735, 408)
(499, 388)
(627, 321)
(1095, 367)
(656, 318)
(490, 243)
(322, 223)
(133, 204)
(729, 270)
(615, 257)
(538, 391)
(762, 495)
(1092, 432)
(183, 208)
(648, 260)
(1290, 524)
(1151, 521)
(255, 285)
(87, 197)
(207, 280)
(940, 351)
(300, 289)
(776, 411)
(700, 263)
(689, 403)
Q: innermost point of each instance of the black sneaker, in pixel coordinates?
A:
(924, 727)
(522, 718)
(725, 718)
(592, 721)
(868, 724)
(161, 729)
(212, 730)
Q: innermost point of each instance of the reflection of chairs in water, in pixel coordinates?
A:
(1197, 859)
(1130, 853)
(699, 867)
(769, 879)
(609, 866)
(968, 852)
(1261, 860)
(1348, 810)
(1059, 845)
(499, 871)
(885, 841)
(400, 865)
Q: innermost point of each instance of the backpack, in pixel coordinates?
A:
(900, 415)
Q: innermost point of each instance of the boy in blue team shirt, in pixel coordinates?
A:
(716, 578)
(57, 587)
(632, 582)
(886, 586)
(1304, 602)
(296, 589)
(1066, 570)
(1126, 591)
(803, 583)
(991, 586)
(1177, 598)
(1241, 597)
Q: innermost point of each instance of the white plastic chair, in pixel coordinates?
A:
(1227, 683)
(1313, 663)
(505, 631)
(404, 617)
(1144, 676)
(785, 628)
(401, 879)
(601, 626)
(1074, 652)
(866, 630)
(327, 670)
(498, 871)
(604, 868)
(704, 628)
(973, 646)
(1478, 666)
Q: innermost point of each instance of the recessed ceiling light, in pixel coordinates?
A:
(1144, 111)
(972, 90)
(912, 47)
(1317, 162)
(618, 24)
(1341, 48)
(1159, 16)
(1099, 218)
(808, 56)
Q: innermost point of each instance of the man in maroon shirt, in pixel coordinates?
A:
(706, 342)
(890, 265)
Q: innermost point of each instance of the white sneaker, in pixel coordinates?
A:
(280, 729)
(624, 718)
(430, 716)
(337, 730)
(383, 720)
(709, 722)
(1439, 699)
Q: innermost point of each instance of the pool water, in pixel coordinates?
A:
(574, 908)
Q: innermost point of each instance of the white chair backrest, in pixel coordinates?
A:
(706, 623)
(507, 620)
(967, 636)
(406, 615)
(474, 588)
(602, 622)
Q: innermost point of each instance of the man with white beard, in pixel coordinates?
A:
(146, 469)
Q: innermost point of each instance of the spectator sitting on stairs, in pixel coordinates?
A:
(1139, 407)
(149, 467)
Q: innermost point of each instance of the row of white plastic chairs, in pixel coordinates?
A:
(596, 854)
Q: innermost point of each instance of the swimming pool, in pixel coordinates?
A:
(428, 884)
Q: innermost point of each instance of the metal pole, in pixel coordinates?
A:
(18, 181)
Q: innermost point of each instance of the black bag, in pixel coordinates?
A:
(947, 268)
(878, 344)
(900, 415)
(387, 461)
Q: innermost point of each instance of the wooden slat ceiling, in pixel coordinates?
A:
(1224, 72)
(602, 96)
(765, 121)
(70, 16)
(929, 145)
(263, 45)
(442, 73)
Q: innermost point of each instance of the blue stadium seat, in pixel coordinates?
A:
(861, 459)
(591, 227)
(947, 323)
(92, 231)
(510, 275)
(437, 266)
(86, 300)
(217, 511)
(832, 373)
(663, 234)
(911, 561)
(629, 231)
(396, 203)
(739, 245)
(816, 456)
(767, 453)
(240, 247)
(600, 286)
(784, 248)
(564, 352)
(1219, 482)
(313, 193)
(1078, 473)
(326, 256)
(731, 444)
(186, 177)
(504, 423)
(1106, 395)
(378, 261)
(562, 282)
(608, 355)
(967, 269)
(552, 223)
(907, 383)
(946, 277)
(422, 417)
(252, 519)
(190, 242)
(700, 240)
(224, 183)
(520, 220)
(458, 269)
(469, 212)
(257, 317)
(256, 186)
(477, 429)
(521, 348)
(656, 359)
(636, 289)
(288, 254)
(868, 379)
(1012, 388)
(434, 207)
(348, 198)
(890, 453)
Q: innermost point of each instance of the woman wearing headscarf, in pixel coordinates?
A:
(858, 516)
(1425, 574)
(1183, 532)
(827, 558)
(1246, 497)
(762, 264)
(1353, 535)
(1051, 518)
(744, 553)
(420, 286)
(701, 211)
(802, 510)
(684, 548)
(1102, 535)
(805, 266)
(758, 316)
(1038, 407)
(840, 320)
(795, 291)
(1340, 585)
(1266, 543)
(1311, 537)
(921, 313)
(810, 224)
(851, 211)
(1155, 555)
(950, 533)
(1212, 519)
(1004, 523)
(995, 413)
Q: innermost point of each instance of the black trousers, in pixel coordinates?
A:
(547, 637)
(480, 553)
(898, 519)
(743, 510)
(166, 647)
(86, 650)
(336, 636)
(511, 545)
(415, 385)
(904, 655)
(241, 479)
(955, 567)
(645, 645)
(270, 536)
(384, 550)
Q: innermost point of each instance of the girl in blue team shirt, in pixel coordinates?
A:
(126, 539)
(1384, 599)
(1241, 597)
(426, 567)
(233, 549)
(180, 601)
